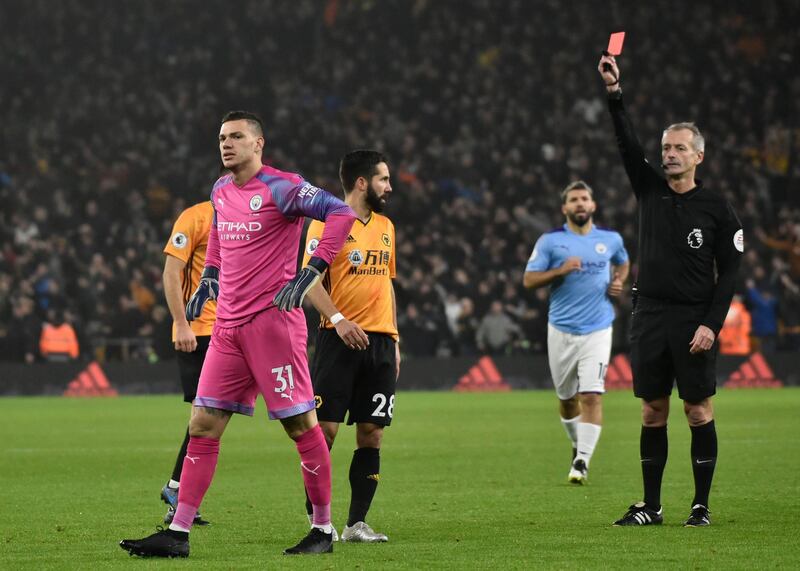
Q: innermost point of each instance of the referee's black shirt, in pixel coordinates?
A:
(690, 244)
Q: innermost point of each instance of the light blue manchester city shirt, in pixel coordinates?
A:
(579, 303)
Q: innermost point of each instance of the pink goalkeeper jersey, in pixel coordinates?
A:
(255, 237)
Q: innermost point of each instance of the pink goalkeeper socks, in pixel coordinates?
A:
(315, 462)
(198, 471)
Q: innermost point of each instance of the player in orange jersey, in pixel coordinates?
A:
(185, 255)
(357, 359)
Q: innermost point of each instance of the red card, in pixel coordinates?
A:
(615, 43)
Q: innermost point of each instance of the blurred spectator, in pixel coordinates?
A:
(466, 329)
(58, 341)
(734, 338)
(534, 322)
(22, 334)
(497, 331)
(141, 294)
(789, 312)
(790, 244)
(418, 332)
(764, 313)
(159, 330)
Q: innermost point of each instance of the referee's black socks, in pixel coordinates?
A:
(365, 470)
(653, 449)
(704, 460)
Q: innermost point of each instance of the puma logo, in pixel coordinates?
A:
(307, 469)
(194, 460)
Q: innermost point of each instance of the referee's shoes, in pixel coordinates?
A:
(640, 514)
(700, 517)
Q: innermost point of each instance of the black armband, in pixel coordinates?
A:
(318, 264)
(210, 272)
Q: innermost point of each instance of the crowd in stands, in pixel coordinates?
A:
(486, 110)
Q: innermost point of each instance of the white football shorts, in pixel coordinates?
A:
(578, 363)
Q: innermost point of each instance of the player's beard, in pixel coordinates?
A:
(375, 202)
(579, 219)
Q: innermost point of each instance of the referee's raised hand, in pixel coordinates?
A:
(609, 73)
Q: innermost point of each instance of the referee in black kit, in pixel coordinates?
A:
(690, 244)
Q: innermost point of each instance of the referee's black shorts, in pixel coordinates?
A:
(361, 382)
(190, 365)
(660, 335)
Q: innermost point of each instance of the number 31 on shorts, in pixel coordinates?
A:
(379, 410)
(282, 380)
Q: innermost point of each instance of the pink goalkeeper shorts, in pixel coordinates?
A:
(266, 355)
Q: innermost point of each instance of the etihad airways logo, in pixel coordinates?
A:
(237, 230)
(238, 226)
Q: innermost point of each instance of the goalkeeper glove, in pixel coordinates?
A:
(208, 288)
(292, 294)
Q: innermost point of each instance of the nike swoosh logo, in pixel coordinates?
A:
(194, 459)
(703, 461)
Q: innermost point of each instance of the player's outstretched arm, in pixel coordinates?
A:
(303, 199)
(208, 288)
(337, 228)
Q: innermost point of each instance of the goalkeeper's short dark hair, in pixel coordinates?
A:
(577, 185)
(356, 164)
(252, 119)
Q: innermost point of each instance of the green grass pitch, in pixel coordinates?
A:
(469, 481)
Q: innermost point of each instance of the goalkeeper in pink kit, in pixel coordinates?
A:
(258, 345)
